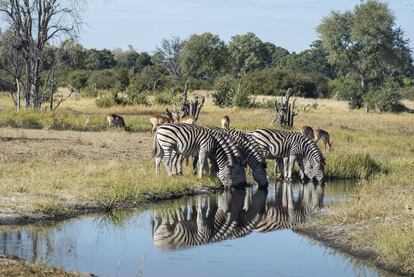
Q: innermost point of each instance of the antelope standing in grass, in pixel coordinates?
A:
(308, 132)
(115, 120)
(225, 122)
(189, 119)
(158, 120)
(324, 135)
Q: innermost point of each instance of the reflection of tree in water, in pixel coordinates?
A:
(39, 243)
(235, 214)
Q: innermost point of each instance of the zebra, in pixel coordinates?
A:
(291, 146)
(287, 212)
(251, 154)
(232, 145)
(231, 215)
(171, 140)
(234, 214)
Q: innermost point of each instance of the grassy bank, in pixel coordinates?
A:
(54, 172)
(381, 217)
(16, 268)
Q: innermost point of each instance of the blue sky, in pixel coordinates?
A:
(287, 23)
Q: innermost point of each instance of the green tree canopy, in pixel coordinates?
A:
(247, 53)
(365, 43)
(204, 56)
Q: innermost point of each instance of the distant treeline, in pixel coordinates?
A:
(355, 58)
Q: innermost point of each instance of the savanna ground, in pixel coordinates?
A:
(54, 164)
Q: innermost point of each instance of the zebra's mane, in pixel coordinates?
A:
(229, 146)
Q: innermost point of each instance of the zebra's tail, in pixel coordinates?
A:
(154, 146)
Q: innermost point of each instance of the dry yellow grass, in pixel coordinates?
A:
(103, 168)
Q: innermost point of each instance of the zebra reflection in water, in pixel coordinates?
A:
(234, 214)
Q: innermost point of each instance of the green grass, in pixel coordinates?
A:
(352, 166)
(376, 148)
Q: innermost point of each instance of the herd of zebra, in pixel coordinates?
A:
(230, 151)
(234, 214)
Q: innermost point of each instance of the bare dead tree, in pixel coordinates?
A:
(34, 24)
(186, 107)
(285, 111)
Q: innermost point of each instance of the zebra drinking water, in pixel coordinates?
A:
(251, 154)
(291, 146)
(189, 140)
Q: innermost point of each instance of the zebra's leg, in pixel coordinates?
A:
(180, 165)
(202, 157)
(292, 160)
(167, 160)
(213, 168)
(195, 162)
(173, 162)
(285, 168)
(158, 159)
(278, 168)
(302, 171)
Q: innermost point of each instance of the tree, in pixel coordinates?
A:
(204, 56)
(312, 60)
(34, 23)
(168, 56)
(247, 53)
(99, 59)
(365, 43)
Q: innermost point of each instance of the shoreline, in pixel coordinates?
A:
(79, 210)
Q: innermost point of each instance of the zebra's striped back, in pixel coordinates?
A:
(191, 140)
(278, 144)
(250, 152)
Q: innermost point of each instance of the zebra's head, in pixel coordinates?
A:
(260, 176)
(314, 168)
(232, 175)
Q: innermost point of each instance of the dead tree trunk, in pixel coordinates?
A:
(189, 108)
(284, 111)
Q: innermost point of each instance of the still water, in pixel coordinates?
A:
(239, 233)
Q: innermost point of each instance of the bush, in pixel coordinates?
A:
(103, 79)
(89, 92)
(242, 99)
(347, 88)
(272, 81)
(105, 101)
(164, 98)
(386, 99)
(136, 92)
(224, 91)
(359, 165)
(78, 78)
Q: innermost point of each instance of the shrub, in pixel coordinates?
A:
(89, 92)
(105, 101)
(359, 165)
(272, 81)
(78, 78)
(164, 98)
(224, 91)
(136, 92)
(347, 88)
(103, 79)
(386, 99)
(242, 99)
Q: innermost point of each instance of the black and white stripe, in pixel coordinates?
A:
(251, 153)
(189, 140)
(291, 146)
